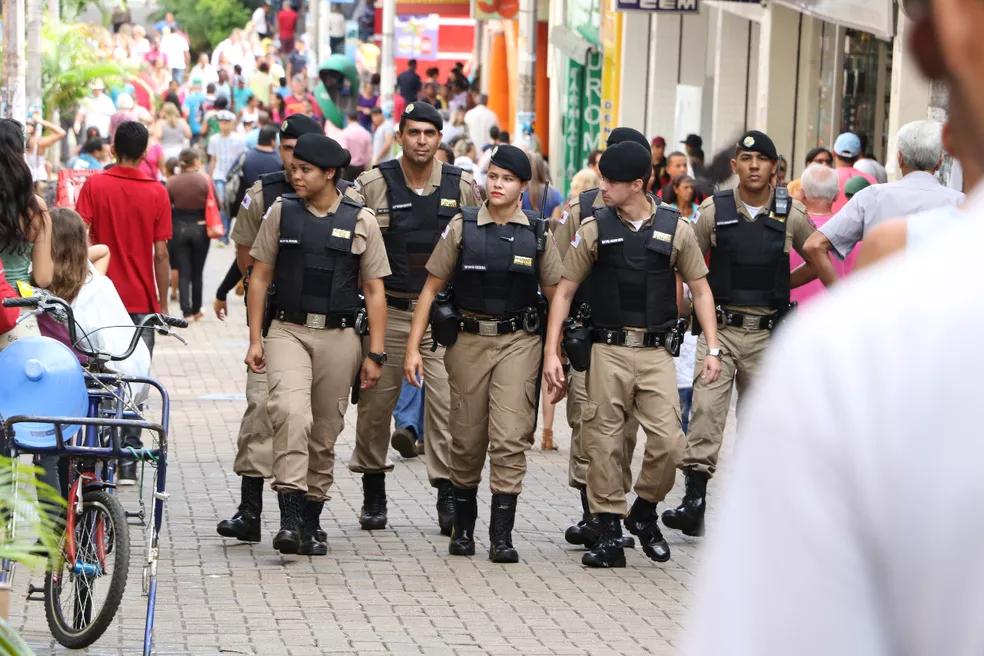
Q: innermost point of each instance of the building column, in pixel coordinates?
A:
(730, 79)
(775, 102)
(661, 78)
(911, 93)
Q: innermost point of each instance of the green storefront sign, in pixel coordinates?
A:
(582, 115)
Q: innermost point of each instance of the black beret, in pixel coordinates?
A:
(421, 111)
(626, 162)
(322, 151)
(622, 134)
(512, 159)
(297, 124)
(755, 141)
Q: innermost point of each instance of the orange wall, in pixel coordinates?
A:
(542, 126)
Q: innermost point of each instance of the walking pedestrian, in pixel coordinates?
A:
(223, 151)
(318, 248)
(189, 194)
(498, 258)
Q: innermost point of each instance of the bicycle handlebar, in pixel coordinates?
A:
(47, 302)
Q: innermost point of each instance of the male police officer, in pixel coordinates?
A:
(634, 249)
(497, 258)
(414, 198)
(748, 232)
(585, 532)
(254, 455)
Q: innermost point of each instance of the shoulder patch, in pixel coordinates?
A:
(447, 231)
(563, 218)
(576, 241)
(247, 200)
(696, 217)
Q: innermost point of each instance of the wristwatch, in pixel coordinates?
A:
(716, 352)
(378, 358)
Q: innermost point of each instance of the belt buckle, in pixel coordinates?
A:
(411, 304)
(488, 328)
(315, 320)
(749, 322)
(634, 339)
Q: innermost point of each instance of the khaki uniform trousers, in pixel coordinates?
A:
(577, 469)
(741, 354)
(373, 427)
(254, 448)
(493, 391)
(624, 382)
(310, 372)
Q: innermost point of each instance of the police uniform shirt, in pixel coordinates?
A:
(570, 221)
(798, 228)
(582, 253)
(251, 212)
(371, 189)
(367, 241)
(443, 261)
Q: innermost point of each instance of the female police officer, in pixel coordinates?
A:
(496, 256)
(315, 246)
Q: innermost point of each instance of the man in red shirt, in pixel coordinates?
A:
(287, 23)
(295, 102)
(131, 214)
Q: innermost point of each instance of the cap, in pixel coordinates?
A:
(324, 152)
(225, 115)
(97, 84)
(756, 141)
(196, 81)
(622, 134)
(124, 101)
(694, 141)
(512, 159)
(297, 124)
(847, 144)
(626, 162)
(658, 141)
(421, 111)
(854, 185)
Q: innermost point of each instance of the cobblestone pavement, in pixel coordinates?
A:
(390, 591)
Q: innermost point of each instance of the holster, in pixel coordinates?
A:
(577, 344)
(362, 318)
(269, 309)
(675, 337)
(695, 327)
(444, 320)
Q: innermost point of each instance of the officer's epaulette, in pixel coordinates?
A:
(369, 176)
(351, 201)
(467, 176)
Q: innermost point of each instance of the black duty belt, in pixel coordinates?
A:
(491, 327)
(630, 338)
(405, 304)
(746, 321)
(313, 320)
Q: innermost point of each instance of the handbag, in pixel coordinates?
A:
(213, 218)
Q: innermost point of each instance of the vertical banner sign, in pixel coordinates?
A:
(611, 68)
(582, 118)
(415, 37)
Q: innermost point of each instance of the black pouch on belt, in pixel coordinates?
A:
(577, 345)
(444, 321)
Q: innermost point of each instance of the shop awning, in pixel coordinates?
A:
(572, 44)
(875, 16)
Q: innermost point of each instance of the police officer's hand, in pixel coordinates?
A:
(254, 358)
(370, 374)
(711, 371)
(221, 309)
(413, 367)
(553, 373)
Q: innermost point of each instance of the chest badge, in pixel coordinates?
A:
(662, 236)
(449, 202)
(522, 261)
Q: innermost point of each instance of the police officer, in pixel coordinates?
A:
(316, 247)
(749, 232)
(633, 249)
(254, 452)
(585, 532)
(413, 198)
(496, 256)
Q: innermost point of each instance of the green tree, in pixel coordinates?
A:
(71, 58)
(207, 21)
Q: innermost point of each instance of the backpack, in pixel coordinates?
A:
(235, 190)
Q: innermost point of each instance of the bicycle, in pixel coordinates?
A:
(96, 545)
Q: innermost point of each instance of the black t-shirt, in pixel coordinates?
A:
(409, 85)
(259, 163)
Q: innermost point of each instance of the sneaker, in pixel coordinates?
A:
(126, 473)
(403, 440)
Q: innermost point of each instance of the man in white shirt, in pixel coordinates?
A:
(920, 146)
(480, 119)
(95, 110)
(259, 20)
(177, 54)
(852, 522)
(223, 151)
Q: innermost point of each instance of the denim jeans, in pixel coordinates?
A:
(223, 210)
(409, 410)
(686, 400)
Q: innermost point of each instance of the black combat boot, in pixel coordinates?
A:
(689, 515)
(501, 548)
(608, 552)
(465, 514)
(643, 522)
(585, 532)
(373, 515)
(245, 524)
(311, 545)
(445, 506)
(288, 539)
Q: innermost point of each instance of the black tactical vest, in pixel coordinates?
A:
(415, 224)
(497, 268)
(749, 265)
(316, 270)
(274, 186)
(633, 282)
(585, 201)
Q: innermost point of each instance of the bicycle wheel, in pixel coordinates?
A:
(81, 598)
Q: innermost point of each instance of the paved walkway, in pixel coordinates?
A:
(391, 591)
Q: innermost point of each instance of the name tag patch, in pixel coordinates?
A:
(617, 240)
(402, 206)
(341, 234)
(473, 267)
(662, 236)
(522, 261)
(287, 241)
(449, 202)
